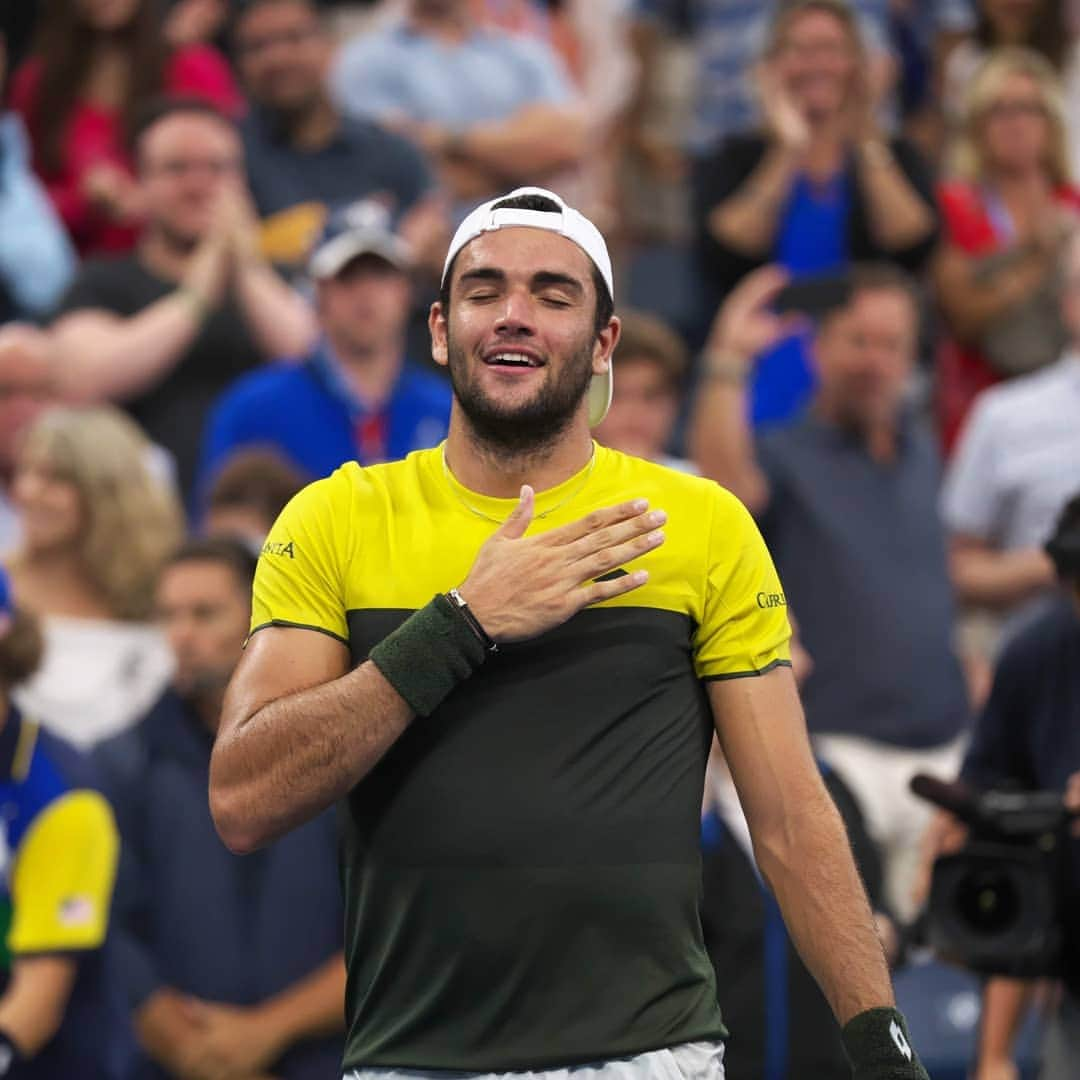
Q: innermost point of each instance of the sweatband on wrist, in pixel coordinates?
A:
(11, 1059)
(197, 305)
(428, 655)
(879, 1047)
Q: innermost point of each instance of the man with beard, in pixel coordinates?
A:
(232, 967)
(165, 329)
(520, 759)
(847, 501)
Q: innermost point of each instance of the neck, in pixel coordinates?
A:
(312, 126)
(163, 256)
(450, 26)
(54, 582)
(880, 438)
(370, 372)
(489, 470)
(1023, 183)
(207, 706)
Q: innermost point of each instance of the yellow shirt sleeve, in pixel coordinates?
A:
(744, 629)
(63, 875)
(300, 577)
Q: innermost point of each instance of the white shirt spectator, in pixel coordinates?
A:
(98, 677)
(1018, 459)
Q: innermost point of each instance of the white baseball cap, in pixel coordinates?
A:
(566, 221)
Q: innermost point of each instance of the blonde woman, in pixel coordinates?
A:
(98, 519)
(1006, 212)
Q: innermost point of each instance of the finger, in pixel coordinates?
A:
(596, 520)
(515, 526)
(614, 557)
(596, 591)
(612, 535)
(759, 288)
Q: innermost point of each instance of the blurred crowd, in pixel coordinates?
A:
(845, 241)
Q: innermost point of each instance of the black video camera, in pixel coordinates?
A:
(996, 905)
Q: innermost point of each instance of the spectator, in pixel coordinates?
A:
(648, 393)
(232, 966)
(1041, 25)
(96, 64)
(165, 329)
(251, 488)
(491, 109)
(302, 155)
(821, 187)
(1006, 216)
(97, 522)
(36, 257)
(25, 389)
(847, 501)
(1015, 465)
(59, 1011)
(355, 396)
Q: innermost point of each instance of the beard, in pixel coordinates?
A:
(532, 425)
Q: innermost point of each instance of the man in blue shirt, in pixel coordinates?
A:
(232, 967)
(355, 396)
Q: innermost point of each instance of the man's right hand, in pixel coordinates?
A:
(521, 586)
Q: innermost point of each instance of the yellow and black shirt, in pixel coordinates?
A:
(521, 870)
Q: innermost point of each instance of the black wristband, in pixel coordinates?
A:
(432, 651)
(879, 1047)
(11, 1059)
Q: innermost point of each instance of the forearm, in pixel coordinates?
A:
(899, 217)
(104, 358)
(537, 140)
(285, 762)
(1005, 1003)
(746, 221)
(720, 440)
(282, 322)
(312, 1007)
(988, 578)
(812, 874)
(970, 305)
(32, 1007)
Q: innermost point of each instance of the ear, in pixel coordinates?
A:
(604, 345)
(437, 326)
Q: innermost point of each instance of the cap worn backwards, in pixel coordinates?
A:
(566, 221)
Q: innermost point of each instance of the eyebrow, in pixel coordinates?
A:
(540, 280)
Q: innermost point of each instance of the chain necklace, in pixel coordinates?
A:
(454, 485)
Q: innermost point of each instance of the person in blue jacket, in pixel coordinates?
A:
(356, 396)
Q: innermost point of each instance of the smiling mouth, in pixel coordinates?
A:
(512, 360)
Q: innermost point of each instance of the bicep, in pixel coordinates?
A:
(279, 661)
(759, 721)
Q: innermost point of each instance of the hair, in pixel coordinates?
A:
(789, 12)
(152, 112)
(1063, 546)
(257, 479)
(605, 305)
(21, 649)
(967, 160)
(646, 337)
(132, 517)
(1048, 33)
(65, 47)
(223, 551)
(241, 8)
(870, 277)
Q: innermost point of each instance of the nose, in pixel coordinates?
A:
(516, 314)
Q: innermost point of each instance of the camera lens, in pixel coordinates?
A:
(988, 901)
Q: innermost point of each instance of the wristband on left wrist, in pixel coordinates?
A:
(879, 1047)
(11, 1058)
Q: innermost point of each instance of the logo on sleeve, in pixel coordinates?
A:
(898, 1038)
(276, 547)
(771, 600)
(77, 911)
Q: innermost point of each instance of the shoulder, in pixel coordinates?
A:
(190, 64)
(678, 490)
(380, 44)
(960, 201)
(1028, 653)
(25, 82)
